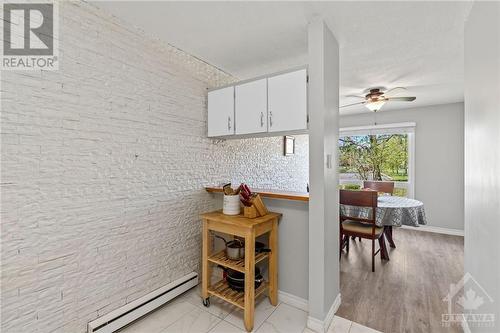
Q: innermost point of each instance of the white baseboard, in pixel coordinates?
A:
(321, 326)
(315, 325)
(293, 300)
(331, 313)
(438, 230)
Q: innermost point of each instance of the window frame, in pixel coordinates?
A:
(407, 128)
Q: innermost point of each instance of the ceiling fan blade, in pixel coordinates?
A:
(395, 89)
(355, 96)
(401, 99)
(357, 103)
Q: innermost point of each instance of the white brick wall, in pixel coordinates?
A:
(103, 165)
(260, 163)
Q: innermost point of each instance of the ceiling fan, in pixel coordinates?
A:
(376, 98)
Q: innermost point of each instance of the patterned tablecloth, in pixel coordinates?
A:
(391, 211)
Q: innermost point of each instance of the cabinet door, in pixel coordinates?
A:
(251, 107)
(287, 98)
(221, 112)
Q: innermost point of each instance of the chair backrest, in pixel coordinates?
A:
(360, 199)
(379, 186)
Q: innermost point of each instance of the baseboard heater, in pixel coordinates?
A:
(126, 314)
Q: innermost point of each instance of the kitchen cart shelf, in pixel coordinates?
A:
(220, 258)
(247, 230)
(222, 290)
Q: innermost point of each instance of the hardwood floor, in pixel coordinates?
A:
(406, 293)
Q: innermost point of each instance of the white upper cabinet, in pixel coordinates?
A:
(251, 107)
(221, 112)
(272, 104)
(287, 101)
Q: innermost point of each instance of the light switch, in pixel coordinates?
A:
(329, 161)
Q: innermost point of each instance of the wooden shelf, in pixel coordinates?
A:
(238, 265)
(275, 194)
(222, 290)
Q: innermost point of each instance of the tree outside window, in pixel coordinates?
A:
(374, 157)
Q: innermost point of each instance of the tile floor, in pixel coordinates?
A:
(186, 314)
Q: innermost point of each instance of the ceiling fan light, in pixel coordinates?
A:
(375, 105)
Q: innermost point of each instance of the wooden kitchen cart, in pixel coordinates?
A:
(249, 230)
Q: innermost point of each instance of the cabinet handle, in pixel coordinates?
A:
(270, 119)
(228, 123)
(262, 119)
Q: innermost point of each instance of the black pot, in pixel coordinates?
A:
(236, 280)
(261, 248)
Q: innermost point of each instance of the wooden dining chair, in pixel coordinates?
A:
(353, 226)
(379, 186)
(382, 187)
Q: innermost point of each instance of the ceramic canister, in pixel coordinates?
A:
(231, 205)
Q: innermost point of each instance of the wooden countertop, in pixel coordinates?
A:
(239, 220)
(275, 194)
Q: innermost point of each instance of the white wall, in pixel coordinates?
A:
(293, 277)
(103, 167)
(324, 279)
(439, 157)
(482, 154)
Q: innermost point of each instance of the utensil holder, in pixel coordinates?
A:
(231, 205)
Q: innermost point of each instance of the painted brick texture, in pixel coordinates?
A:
(103, 164)
(260, 162)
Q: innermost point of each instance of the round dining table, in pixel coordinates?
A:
(392, 211)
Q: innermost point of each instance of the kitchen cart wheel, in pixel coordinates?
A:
(206, 302)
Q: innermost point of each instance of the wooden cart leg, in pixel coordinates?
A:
(249, 281)
(273, 264)
(205, 266)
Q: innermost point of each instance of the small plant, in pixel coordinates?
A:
(400, 192)
(352, 187)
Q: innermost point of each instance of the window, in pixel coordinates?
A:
(379, 152)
